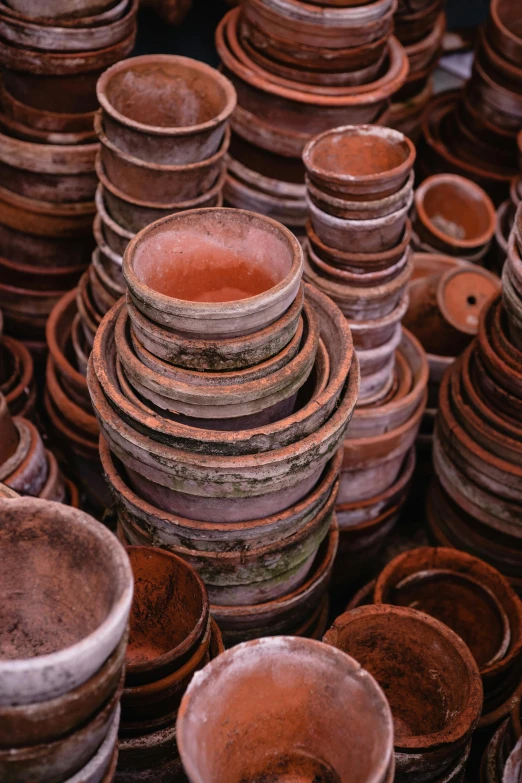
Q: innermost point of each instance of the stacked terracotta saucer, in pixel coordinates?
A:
(223, 395)
(17, 383)
(475, 499)
(50, 58)
(420, 26)
(359, 194)
(300, 68)
(67, 587)
(171, 637)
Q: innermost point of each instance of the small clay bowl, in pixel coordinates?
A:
(284, 707)
(238, 242)
(82, 581)
(169, 614)
(165, 109)
(359, 162)
(454, 214)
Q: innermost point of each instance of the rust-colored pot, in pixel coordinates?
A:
(60, 9)
(9, 436)
(17, 377)
(288, 211)
(502, 30)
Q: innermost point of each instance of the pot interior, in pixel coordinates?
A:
(358, 153)
(166, 94)
(456, 211)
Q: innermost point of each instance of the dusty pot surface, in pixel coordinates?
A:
(53, 645)
(241, 271)
(454, 214)
(434, 704)
(359, 162)
(226, 723)
(164, 108)
(169, 614)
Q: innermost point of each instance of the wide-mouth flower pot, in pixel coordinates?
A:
(360, 163)
(234, 272)
(316, 697)
(168, 617)
(165, 109)
(61, 642)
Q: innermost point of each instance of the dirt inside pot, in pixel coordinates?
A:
(166, 95)
(294, 768)
(456, 211)
(358, 155)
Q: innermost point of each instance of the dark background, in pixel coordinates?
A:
(195, 37)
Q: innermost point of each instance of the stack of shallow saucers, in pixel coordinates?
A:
(171, 637)
(300, 68)
(66, 585)
(223, 395)
(360, 188)
(50, 58)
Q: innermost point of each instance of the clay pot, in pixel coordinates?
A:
(26, 311)
(169, 614)
(17, 377)
(116, 236)
(168, 182)
(361, 210)
(513, 770)
(503, 32)
(134, 214)
(227, 690)
(69, 656)
(57, 124)
(40, 277)
(9, 436)
(288, 211)
(359, 163)
(26, 470)
(454, 215)
(429, 736)
(425, 52)
(415, 24)
(58, 9)
(267, 244)
(444, 309)
(156, 128)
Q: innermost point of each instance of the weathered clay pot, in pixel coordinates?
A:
(415, 24)
(165, 109)
(264, 171)
(26, 311)
(116, 236)
(59, 124)
(402, 648)
(9, 436)
(17, 377)
(360, 163)
(288, 211)
(245, 714)
(361, 210)
(423, 53)
(39, 277)
(26, 470)
(356, 279)
(74, 649)
(252, 242)
(168, 182)
(378, 331)
(134, 214)
(168, 617)
(11, 127)
(60, 9)
(454, 215)
(503, 32)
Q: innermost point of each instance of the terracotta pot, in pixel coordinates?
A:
(68, 39)
(290, 212)
(168, 618)
(513, 770)
(384, 162)
(42, 121)
(11, 127)
(429, 738)
(376, 332)
(17, 377)
(26, 470)
(454, 214)
(67, 657)
(361, 210)
(140, 118)
(241, 232)
(424, 52)
(168, 182)
(58, 9)
(115, 235)
(232, 676)
(133, 214)
(26, 311)
(503, 31)
(340, 276)
(265, 171)
(9, 436)
(41, 278)
(502, 104)
(445, 307)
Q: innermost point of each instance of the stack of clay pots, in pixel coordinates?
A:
(430, 679)
(359, 193)
(285, 709)
(26, 466)
(475, 501)
(66, 588)
(300, 69)
(454, 216)
(17, 382)
(420, 26)
(171, 637)
(446, 296)
(222, 420)
(474, 132)
(50, 58)
(502, 759)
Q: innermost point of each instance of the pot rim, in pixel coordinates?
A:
(50, 21)
(405, 475)
(156, 130)
(360, 257)
(360, 206)
(297, 10)
(501, 27)
(106, 219)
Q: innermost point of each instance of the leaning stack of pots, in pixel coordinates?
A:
(473, 132)
(66, 587)
(420, 26)
(359, 193)
(446, 296)
(300, 68)
(431, 680)
(171, 636)
(50, 58)
(17, 383)
(26, 466)
(475, 500)
(223, 396)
